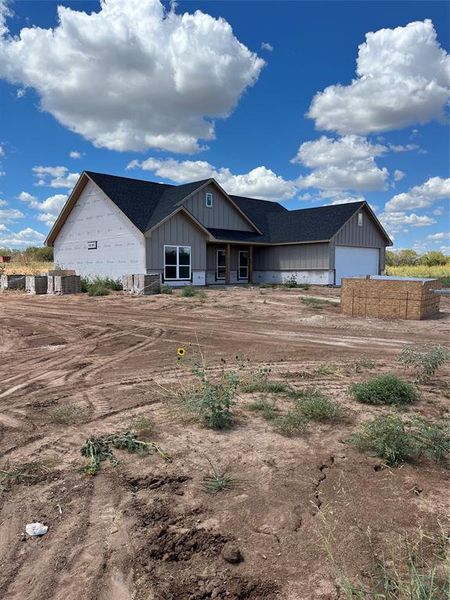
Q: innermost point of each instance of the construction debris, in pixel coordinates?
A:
(142, 284)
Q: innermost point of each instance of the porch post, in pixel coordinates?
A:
(250, 264)
(227, 264)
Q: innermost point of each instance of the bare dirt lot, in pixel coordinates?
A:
(303, 510)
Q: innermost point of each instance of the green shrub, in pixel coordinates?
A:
(97, 289)
(434, 439)
(267, 409)
(434, 258)
(425, 361)
(290, 423)
(313, 405)
(188, 291)
(387, 436)
(385, 389)
(41, 253)
(291, 282)
(259, 382)
(166, 289)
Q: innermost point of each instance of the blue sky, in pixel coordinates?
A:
(256, 94)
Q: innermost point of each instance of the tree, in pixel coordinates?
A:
(433, 258)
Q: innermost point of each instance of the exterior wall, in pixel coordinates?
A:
(95, 218)
(296, 257)
(179, 230)
(314, 276)
(367, 236)
(222, 215)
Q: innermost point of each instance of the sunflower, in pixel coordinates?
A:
(181, 352)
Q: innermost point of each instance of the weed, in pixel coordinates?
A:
(215, 481)
(267, 409)
(259, 382)
(326, 369)
(385, 389)
(398, 440)
(97, 289)
(100, 286)
(188, 291)
(425, 361)
(314, 302)
(290, 423)
(313, 405)
(202, 295)
(166, 289)
(99, 449)
(66, 414)
(23, 474)
(141, 424)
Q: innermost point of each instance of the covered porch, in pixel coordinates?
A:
(229, 263)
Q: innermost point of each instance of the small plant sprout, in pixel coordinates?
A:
(215, 481)
(424, 361)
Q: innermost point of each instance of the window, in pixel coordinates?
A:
(243, 264)
(221, 264)
(360, 219)
(209, 200)
(92, 245)
(177, 262)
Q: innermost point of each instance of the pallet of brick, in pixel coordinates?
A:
(389, 297)
(12, 282)
(36, 284)
(142, 284)
(64, 284)
(61, 272)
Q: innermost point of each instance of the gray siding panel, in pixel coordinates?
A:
(368, 235)
(180, 231)
(222, 215)
(291, 257)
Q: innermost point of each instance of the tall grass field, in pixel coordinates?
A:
(441, 272)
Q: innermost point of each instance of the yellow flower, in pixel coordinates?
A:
(181, 352)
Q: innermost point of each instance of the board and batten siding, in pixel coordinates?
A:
(96, 221)
(367, 236)
(222, 214)
(292, 257)
(179, 230)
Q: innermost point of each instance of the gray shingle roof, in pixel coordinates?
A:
(147, 203)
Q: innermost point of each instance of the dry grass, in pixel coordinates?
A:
(438, 271)
(24, 267)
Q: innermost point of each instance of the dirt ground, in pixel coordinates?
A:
(303, 509)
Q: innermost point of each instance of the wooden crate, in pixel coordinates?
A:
(389, 297)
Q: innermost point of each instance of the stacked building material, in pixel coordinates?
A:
(64, 284)
(142, 284)
(389, 297)
(12, 282)
(36, 284)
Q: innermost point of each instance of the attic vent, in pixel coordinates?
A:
(360, 219)
(209, 200)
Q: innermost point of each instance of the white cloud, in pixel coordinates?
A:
(420, 196)
(403, 148)
(398, 175)
(440, 236)
(75, 154)
(402, 78)
(48, 209)
(10, 214)
(133, 75)
(55, 177)
(20, 239)
(400, 221)
(2, 151)
(267, 46)
(260, 182)
(346, 163)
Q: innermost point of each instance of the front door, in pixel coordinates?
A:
(221, 264)
(243, 264)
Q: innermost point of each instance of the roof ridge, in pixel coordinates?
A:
(130, 178)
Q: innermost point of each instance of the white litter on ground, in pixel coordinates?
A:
(35, 529)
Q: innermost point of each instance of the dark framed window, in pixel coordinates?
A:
(92, 245)
(209, 200)
(177, 262)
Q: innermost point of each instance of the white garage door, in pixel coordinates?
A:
(354, 261)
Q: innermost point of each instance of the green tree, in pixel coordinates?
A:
(433, 258)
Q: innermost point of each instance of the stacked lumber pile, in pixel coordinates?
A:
(389, 297)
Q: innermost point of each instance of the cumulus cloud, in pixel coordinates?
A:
(75, 154)
(398, 175)
(55, 177)
(402, 78)
(20, 239)
(346, 163)
(439, 237)
(10, 214)
(420, 196)
(267, 46)
(48, 209)
(400, 221)
(133, 75)
(2, 151)
(260, 182)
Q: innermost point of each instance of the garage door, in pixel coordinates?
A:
(353, 261)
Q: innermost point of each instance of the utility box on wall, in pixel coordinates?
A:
(389, 297)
